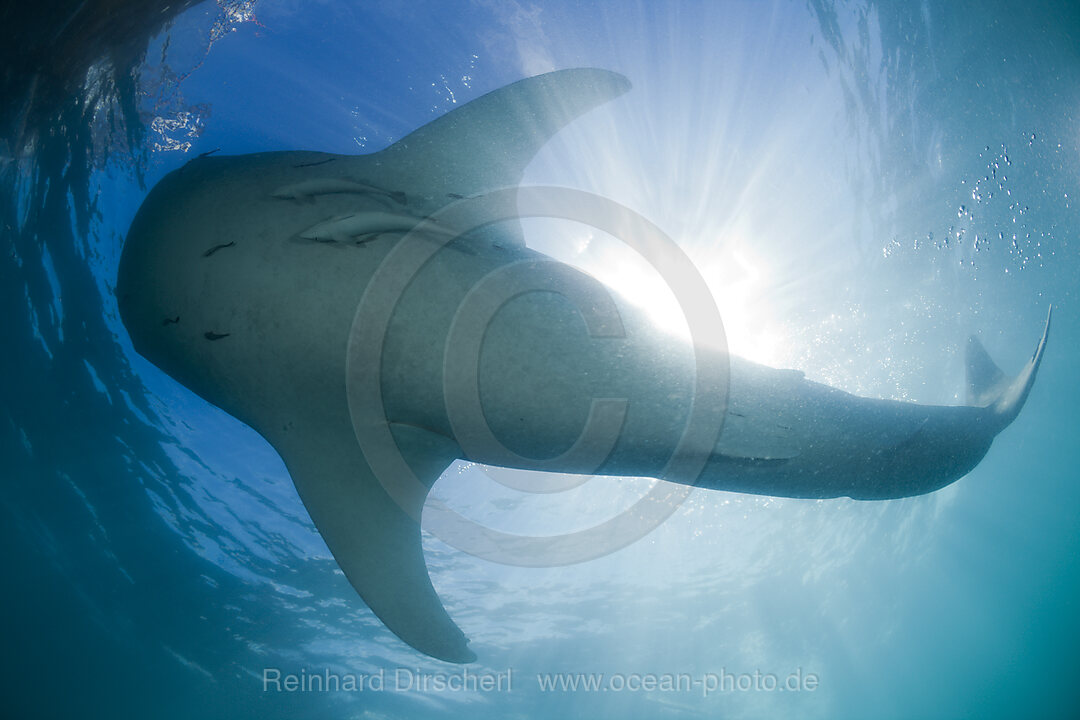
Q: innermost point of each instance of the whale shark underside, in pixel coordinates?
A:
(241, 278)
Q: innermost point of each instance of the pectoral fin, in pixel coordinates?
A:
(487, 143)
(375, 541)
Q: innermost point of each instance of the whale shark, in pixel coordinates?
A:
(245, 278)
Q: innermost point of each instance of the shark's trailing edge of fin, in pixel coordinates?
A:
(989, 387)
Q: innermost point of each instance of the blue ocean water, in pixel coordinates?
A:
(862, 184)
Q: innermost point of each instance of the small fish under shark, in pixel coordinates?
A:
(268, 322)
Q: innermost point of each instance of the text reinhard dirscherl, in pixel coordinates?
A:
(400, 680)
(465, 680)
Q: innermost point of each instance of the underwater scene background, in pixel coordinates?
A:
(862, 184)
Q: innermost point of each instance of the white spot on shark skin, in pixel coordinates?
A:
(290, 316)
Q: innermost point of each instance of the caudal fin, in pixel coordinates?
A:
(989, 387)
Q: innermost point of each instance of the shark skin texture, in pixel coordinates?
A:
(241, 277)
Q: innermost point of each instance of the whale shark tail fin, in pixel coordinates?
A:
(989, 387)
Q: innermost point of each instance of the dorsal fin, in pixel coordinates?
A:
(486, 143)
